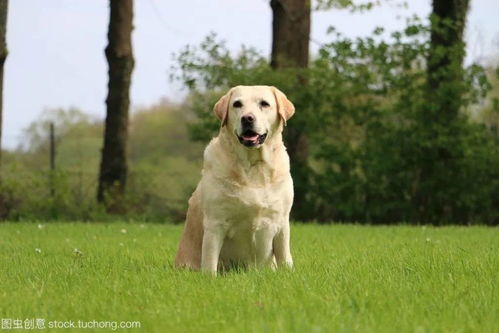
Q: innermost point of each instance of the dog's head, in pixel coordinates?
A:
(254, 113)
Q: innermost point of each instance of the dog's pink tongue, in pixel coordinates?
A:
(251, 138)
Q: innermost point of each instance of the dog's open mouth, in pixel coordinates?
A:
(250, 138)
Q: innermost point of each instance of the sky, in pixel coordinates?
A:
(56, 47)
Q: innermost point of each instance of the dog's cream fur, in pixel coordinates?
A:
(239, 212)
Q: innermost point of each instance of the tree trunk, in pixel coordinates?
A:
(439, 123)
(4, 4)
(290, 33)
(290, 50)
(113, 169)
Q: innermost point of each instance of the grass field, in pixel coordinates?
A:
(347, 278)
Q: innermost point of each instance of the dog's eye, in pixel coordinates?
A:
(264, 104)
(237, 104)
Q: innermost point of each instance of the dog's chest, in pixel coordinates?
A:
(255, 204)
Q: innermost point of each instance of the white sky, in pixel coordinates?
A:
(56, 47)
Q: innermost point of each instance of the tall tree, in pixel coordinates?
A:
(290, 50)
(3, 55)
(119, 54)
(440, 128)
(445, 57)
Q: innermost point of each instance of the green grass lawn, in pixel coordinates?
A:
(346, 278)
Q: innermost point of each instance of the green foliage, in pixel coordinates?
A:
(164, 168)
(377, 153)
(488, 113)
(346, 278)
(354, 6)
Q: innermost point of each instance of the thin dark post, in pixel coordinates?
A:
(52, 159)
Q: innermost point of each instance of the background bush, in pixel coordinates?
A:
(164, 168)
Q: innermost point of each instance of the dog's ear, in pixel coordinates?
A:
(221, 108)
(285, 108)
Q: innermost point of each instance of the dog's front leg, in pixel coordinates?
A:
(212, 244)
(282, 251)
(263, 239)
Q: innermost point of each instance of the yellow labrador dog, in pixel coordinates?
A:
(239, 212)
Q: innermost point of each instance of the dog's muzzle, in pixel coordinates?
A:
(250, 138)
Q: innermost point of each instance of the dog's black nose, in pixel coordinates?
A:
(247, 119)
